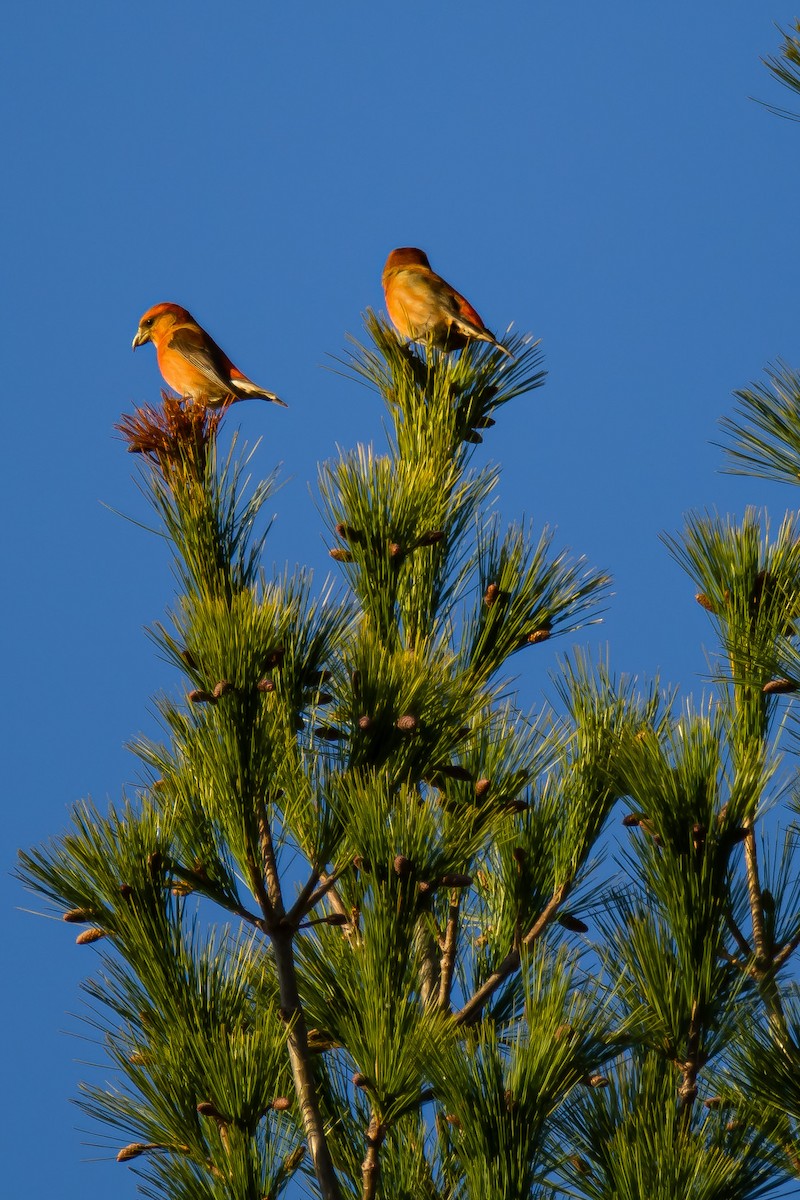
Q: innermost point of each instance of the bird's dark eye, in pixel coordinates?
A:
(148, 322)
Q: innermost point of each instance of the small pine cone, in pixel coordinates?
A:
(699, 836)
(538, 635)
(89, 935)
(704, 602)
(779, 687)
(491, 595)
(329, 733)
(198, 696)
(78, 916)
(222, 688)
(580, 1164)
(365, 723)
(454, 880)
(631, 820)
(453, 1120)
(567, 921)
(395, 550)
(336, 919)
(482, 787)
(360, 1081)
(402, 866)
(280, 1104)
(455, 771)
(208, 1109)
(595, 1081)
(407, 723)
(265, 685)
(737, 835)
(348, 534)
(133, 1150)
(430, 539)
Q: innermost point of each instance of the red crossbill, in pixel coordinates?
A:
(191, 362)
(423, 305)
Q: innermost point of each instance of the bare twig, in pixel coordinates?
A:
(371, 1166)
(448, 959)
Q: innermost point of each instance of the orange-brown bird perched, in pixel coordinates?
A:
(421, 304)
(192, 362)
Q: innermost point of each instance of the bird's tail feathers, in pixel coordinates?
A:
(481, 335)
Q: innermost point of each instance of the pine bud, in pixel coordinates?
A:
(365, 723)
(407, 723)
(360, 1081)
(280, 1104)
(265, 685)
(704, 601)
(198, 696)
(402, 866)
(222, 688)
(631, 820)
(595, 1081)
(481, 788)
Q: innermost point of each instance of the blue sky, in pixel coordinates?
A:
(599, 176)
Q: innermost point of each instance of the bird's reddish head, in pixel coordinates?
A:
(158, 319)
(406, 256)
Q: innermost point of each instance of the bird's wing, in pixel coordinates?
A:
(468, 322)
(203, 353)
(465, 312)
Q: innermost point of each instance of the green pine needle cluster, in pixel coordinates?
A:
(351, 929)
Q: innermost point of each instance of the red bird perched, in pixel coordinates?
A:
(192, 362)
(421, 304)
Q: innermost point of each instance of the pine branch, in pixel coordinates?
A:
(470, 1011)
